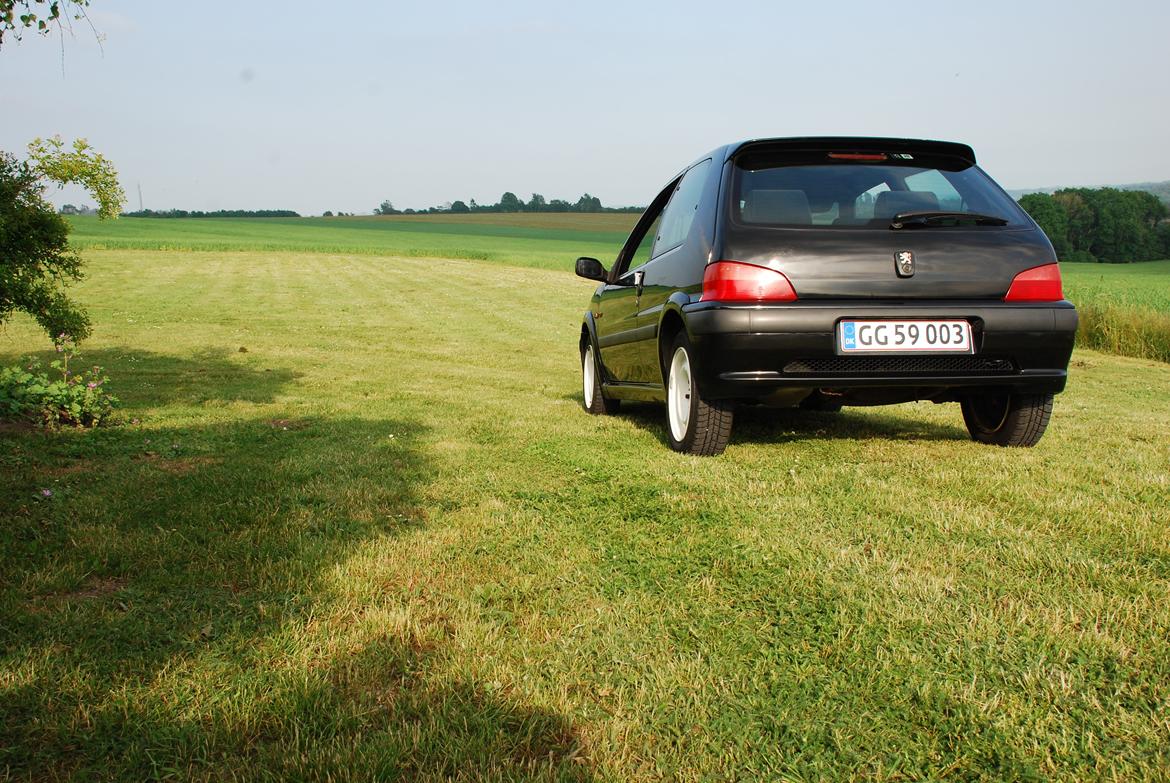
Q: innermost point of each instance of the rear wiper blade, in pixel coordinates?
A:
(935, 218)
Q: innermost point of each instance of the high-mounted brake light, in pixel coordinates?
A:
(857, 155)
(732, 281)
(1038, 284)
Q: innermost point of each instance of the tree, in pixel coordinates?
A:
(536, 203)
(510, 203)
(588, 203)
(16, 16)
(459, 207)
(1082, 224)
(1111, 225)
(36, 262)
(386, 208)
(81, 166)
(1052, 218)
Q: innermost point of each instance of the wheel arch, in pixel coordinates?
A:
(588, 332)
(671, 323)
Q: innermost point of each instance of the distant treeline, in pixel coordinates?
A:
(1102, 224)
(510, 202)
(1159, 189)
(219, 213)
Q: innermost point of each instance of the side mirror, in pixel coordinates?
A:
(591, 269)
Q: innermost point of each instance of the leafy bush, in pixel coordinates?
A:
(75, 398)
(37, 261)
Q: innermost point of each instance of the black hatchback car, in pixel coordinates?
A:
(824, 272)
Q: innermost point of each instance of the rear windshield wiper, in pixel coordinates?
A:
(922, 219)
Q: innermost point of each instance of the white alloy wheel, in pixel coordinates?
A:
(678, 394)
(588, 375)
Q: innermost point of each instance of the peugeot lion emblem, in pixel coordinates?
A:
(904, 263)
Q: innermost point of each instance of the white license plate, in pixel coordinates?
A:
(929, 336)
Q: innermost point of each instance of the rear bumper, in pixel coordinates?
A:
(753, 351)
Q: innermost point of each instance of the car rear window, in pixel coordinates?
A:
(849, 189)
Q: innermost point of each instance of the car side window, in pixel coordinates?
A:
(680, 212)
(642, 254)
(636, 251)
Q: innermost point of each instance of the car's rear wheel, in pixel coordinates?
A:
(1006, 419)
(593, 400)
(695, 426)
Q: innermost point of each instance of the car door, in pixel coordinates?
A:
(617, 307)
(667, 269)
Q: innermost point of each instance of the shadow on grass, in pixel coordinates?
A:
(760, 424)
(209, 375)
(157, 612)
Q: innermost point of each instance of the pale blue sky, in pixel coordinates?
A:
(272, 105)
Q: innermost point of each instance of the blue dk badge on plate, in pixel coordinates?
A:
(849, 335)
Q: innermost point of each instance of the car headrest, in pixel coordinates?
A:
(891, 202)
(777, 206)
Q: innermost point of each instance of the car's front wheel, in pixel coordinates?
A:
(593, 400)
(696, 426)
(1006, 419)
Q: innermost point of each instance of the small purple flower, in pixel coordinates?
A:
(91, 385)
(46, 493)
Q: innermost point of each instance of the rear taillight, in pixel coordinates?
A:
(731, 281)
(1038, 284)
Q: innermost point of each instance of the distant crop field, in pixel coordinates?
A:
(548, 241)
(1145, 285)
(620, 222)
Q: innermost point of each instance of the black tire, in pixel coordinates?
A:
(1006, 419)
(592, 397)
(707, 426)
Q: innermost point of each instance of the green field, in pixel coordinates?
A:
(356, 526)
(547, 241)
(1125, 309)
(1145, 285)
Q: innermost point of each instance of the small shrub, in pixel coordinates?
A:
(76, 399)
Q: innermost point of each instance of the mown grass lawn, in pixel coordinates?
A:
(356, 526)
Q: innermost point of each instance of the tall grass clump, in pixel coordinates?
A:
(1125, 330)
(1124, 308)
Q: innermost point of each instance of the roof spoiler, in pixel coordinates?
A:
(860, 144)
